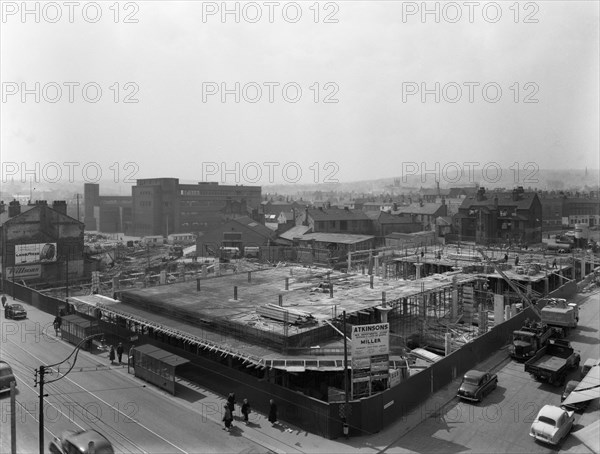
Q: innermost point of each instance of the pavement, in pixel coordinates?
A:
(287, 438)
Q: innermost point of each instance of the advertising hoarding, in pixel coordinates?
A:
(35, 253)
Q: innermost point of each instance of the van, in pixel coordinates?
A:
(6, 377)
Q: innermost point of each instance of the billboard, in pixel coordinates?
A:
(24, 271)
(35, 253)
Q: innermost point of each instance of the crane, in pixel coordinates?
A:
(512, 285)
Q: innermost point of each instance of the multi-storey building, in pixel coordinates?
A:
(106, 213)
(163, 205)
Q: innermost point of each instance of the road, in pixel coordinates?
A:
(135, 416)
(142, 418)
(501, 422)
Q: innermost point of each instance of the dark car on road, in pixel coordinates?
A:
(6, 377)
(15, 311)
(476, 384)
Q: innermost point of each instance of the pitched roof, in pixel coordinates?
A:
(342, 214)
(505, 199)
(415, 208)
(255, 226)
(383, 217)
(295, 232)
(345, 238)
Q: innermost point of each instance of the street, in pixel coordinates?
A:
(135, 416)
(501, 422)
(139, 417)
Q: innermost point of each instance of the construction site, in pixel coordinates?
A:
(279, 328)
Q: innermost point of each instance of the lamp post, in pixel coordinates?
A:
(42, 370)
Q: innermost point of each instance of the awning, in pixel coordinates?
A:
(161, 355)
(587, 389)
(589, 436)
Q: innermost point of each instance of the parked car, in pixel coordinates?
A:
(6, 377)
(552, 424)
(15, 311)
(476, 384)
(79, 442)
(589, 363)
(571, 385)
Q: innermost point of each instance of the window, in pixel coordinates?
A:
(343, 225)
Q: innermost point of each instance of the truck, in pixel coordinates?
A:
(560, 314)
(530, 338)
(552, 362)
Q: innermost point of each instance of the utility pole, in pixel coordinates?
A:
(346, 406)
(42, 370)
(67, 277)
(77, 206)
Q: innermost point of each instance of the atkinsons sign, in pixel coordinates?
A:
(370, 358)
(370, 340)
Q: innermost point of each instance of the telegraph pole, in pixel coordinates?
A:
(346, 407)
(42, 370)
(41, 409)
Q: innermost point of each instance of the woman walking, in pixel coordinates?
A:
(246, 410)
(272, 412)
(227, 417)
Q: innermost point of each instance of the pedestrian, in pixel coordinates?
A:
(57, 322)
(227, 417)
(3, 300)
(272, 412)
(120, 352)
(231, 403)
(554, 263)
(111, 354)
(516, 260)
(246, 410)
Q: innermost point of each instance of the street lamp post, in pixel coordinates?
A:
(42, 370)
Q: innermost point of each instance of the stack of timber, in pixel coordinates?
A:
(285, 314)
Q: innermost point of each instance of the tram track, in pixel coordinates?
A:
(79, 413)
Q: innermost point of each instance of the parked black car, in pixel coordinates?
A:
(476, 384)
(14, 311)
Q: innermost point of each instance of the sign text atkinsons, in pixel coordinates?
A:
(370, 340)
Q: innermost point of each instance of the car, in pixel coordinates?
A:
(79, 442)
(552, 424)
(6, 377)
(476, 384)
(589, 363)
(571, 385)
(15, 311)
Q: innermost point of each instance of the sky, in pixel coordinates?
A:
(297, 92)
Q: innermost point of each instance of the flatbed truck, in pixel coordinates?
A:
(552, 362)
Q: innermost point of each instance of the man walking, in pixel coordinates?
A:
(3, 300)
(120, 352)
(272, 412)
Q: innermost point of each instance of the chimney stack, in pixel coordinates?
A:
(60, 206)
(14, 208)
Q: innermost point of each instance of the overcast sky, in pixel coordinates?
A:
(528, 80)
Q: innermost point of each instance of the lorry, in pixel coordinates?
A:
(560, 314)
(530, 338)
(552, 362)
